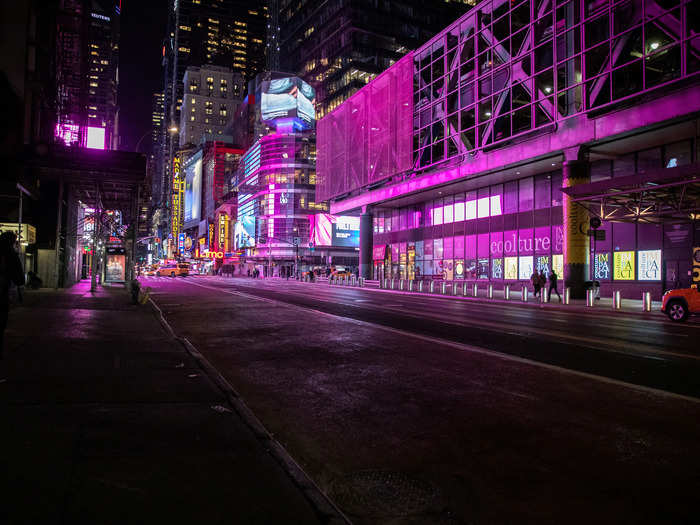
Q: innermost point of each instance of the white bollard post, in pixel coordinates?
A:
(617, 300)
(524, 293)
(506, 292)
(646, 301)
(489, 291)
(567, 295)
(475, 289)
(590, 298)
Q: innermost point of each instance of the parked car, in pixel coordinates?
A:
(678, 304)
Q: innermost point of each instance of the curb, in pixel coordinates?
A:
(326, 509)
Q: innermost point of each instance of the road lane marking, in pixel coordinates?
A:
(461, 346)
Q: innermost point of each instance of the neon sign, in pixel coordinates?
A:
(213, 255)
(175, 218)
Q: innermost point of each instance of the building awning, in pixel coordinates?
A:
(378, 252)
(670, 195)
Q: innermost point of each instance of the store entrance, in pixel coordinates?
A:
(677, 274)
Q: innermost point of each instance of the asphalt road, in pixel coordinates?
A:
(415, 409)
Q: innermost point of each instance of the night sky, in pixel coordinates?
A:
(140, 73)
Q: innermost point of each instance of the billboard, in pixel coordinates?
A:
(623, 266)
(193, 189)
(649, 265)
(334, 230)
(288, 98)
(244, 232)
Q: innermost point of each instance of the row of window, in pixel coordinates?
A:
(501, 73)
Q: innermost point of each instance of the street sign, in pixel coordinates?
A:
(599, 235)
(296, 241)
(311, 245)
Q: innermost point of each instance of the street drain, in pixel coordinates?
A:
(383, 494)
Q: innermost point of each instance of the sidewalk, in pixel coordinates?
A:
(628, 305)
(106, 419)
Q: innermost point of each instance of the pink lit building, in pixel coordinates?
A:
(484, 154)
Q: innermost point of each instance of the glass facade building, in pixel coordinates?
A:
(509, 68)
(516, 110)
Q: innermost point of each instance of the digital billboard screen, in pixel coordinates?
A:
(288, 98)
(193, 190)
(334, 230)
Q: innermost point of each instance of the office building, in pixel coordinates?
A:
(212, 94)
(87, 61)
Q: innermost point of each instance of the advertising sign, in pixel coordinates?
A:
(601, 267)
(649, 265)
(510, 268)
(558, 265)
(542, 263)
(525, 267)
(623, 265)
(496, 268)
(176, 210)
(115, 270)
(288, 98)
(334, 230)
(193, 189)
(696, 264)
(459, 269)
(483, 268)
(181, 242)
(448, 270)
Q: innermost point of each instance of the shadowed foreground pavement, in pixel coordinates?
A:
(105, 419)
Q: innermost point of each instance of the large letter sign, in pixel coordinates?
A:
(649, 265)
(623, 266)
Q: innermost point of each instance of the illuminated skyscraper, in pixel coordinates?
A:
(226, 33)
(87, 60)
(340, 46)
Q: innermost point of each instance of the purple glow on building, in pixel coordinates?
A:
(68, 133)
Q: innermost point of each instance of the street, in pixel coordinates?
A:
(415, 408)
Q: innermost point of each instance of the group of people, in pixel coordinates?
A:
(539, 283)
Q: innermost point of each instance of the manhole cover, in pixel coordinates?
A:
(383, 494)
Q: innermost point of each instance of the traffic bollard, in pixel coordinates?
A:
(567, 295)
(506, 292)
(489, 291)
(420, 286)
(617, 300)
(443, 287)
(524, 294)
(590, 298)
(646, 301)
(544, 295)
(455, 288)
(475, 289)
(432, 286)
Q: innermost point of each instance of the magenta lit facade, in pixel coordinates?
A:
(511, 103)
(368, 138)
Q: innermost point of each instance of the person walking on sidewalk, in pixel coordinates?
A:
(543, 283)
(536, 285)
(553, 284)
(10, 272)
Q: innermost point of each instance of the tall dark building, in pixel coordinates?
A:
(340, 46)
(87, 61)
(227, 33)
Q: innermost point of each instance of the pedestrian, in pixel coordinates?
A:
(543, 281)
(10, 272)
(553, 284)
(535, 280)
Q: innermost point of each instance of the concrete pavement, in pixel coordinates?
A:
(106, 419)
